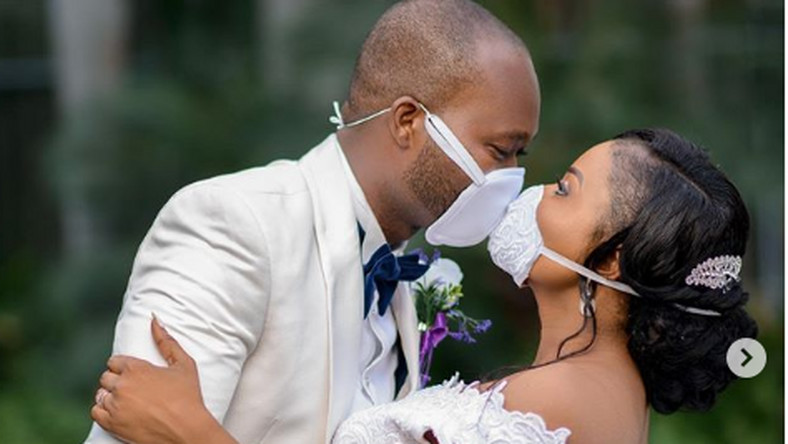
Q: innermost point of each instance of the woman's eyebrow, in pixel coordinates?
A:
(579, 174)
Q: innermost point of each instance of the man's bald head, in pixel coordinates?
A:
(426, 49)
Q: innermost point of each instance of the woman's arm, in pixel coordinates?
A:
(203, 263)
(142, 403)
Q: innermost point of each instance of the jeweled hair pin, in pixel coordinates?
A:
(716, 272)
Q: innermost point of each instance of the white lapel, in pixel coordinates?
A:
(338, 244)
(407, 324)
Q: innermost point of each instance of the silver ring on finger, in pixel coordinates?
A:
(100, 395)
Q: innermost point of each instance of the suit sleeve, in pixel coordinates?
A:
(204, 271)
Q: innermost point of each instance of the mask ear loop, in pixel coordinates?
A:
(620, 286)
(337, 119)
(451, 145)
(590, 274)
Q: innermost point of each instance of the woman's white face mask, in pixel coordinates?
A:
(517, 243)
(478, 208)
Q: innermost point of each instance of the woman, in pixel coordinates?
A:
(646, 320)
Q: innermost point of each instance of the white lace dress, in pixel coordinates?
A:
(455, 412)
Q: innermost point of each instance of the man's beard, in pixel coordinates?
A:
(429, 179)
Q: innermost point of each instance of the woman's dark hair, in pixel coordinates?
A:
(671, 210)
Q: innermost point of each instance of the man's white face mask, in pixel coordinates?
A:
(479, 207)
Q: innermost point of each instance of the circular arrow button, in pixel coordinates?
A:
(746, 358)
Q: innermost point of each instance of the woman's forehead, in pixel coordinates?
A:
(596, 161)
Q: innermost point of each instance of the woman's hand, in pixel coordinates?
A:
(143, 403)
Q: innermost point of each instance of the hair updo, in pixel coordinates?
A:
(672, 209)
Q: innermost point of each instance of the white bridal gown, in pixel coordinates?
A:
(455, 412)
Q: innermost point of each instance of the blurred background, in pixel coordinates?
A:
(109, 106)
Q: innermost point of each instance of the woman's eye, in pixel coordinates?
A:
(561, 187)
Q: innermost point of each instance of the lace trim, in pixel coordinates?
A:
(496, 397)
(515, 243)
(455, 412)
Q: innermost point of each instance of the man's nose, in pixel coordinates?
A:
(509, 162)
(512, 162)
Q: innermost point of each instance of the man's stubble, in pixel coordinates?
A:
(434, 179)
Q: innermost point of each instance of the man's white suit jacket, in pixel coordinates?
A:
(258, 275)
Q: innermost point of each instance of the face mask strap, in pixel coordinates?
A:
(337, 120)
(452, 146)
(697, 311)
(439, 132)
(590, 274)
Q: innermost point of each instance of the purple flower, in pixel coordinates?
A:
(482, 326)
(429, 340)
(424, 258)
(436, 254)
(437, 296)
(432, 337)
(462, 336)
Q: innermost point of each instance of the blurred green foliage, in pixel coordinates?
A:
(214, 87)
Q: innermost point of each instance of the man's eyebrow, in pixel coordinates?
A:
(515, 138)
(579, 174)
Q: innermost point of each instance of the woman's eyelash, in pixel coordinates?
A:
(561, 189)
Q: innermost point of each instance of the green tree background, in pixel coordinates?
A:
(201, 88)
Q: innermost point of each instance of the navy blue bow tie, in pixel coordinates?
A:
(384, 271)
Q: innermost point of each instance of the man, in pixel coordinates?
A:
(278, 280)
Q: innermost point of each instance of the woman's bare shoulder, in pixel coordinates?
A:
(575, 397)
(554, 392)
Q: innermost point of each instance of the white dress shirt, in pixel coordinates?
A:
(379, 357)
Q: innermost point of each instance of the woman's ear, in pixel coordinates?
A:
(610, 267)
(406, 122)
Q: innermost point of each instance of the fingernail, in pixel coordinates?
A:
(157, 321)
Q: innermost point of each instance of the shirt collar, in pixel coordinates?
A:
(374, 237)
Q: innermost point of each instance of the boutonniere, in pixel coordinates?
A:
(437, 296)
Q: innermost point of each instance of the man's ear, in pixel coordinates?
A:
(406, 122)
(610, 267)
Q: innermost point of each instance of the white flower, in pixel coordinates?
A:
(443, 272)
